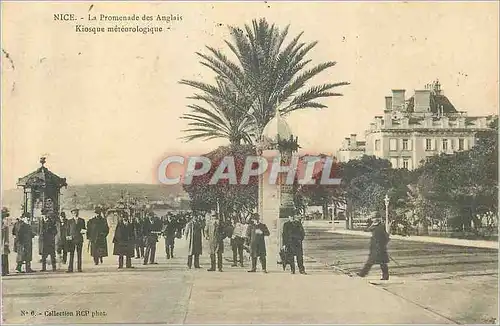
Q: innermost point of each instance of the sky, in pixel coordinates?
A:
(105, 108)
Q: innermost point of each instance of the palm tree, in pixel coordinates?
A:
(266, 77)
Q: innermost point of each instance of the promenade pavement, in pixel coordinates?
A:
(170, 293)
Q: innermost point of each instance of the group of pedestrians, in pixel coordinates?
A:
(245, 236)
(57, 235)
(139, 235)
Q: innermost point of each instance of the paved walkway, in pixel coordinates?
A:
(448, 241)
(169, 293)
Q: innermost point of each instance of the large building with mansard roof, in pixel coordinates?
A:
(410, 130)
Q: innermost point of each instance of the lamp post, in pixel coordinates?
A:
(333, 216)
(386, 200)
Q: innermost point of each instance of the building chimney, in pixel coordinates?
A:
(354, 144)
(346, 143)
(378, 122)
(398, 99)
(422, 100)
(387, 119)
(388, 102)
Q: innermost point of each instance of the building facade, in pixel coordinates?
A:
(351, 149)
(411, 130)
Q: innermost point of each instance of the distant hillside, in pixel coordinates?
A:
(104, 194)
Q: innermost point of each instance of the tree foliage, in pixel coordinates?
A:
(228, 198)
(465, 183)
(267, 74)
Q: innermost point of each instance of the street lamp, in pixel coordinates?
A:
(386, 200)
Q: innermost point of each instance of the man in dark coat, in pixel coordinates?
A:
(61, 242)
(74, 239)
(293, 235)
(151, 228)
(97, 232)
(378, 250)
(214, 233)
(169, 232)
(23, 243)
(194, 235)
(47, 242)
(256, 232)
(139, 236)
(124, 241)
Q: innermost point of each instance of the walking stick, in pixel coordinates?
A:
(393, 260)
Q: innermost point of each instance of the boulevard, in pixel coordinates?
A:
(432, 284)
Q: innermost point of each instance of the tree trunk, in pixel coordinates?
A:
(325, 210)
(425, 226)
(348, 213)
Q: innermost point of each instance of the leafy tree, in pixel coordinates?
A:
(365, 183)
(317, 194)
(464, 183)
(228, 198)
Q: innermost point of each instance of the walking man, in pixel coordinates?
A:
(98, 230)
(169, 232)
(215, 236)
(255, 234)
(74, 239)
(293, 235)
(124, 241)
(48, 231)
(378, 250)
(194, 235)
(152, 228)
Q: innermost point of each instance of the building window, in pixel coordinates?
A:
(394, 162)
(393, 144)
(461, 144)
(406, 163)
(428, 144)
(405, 145)
(377, 144)
(445, 144)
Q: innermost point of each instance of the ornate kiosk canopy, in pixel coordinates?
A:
(41, 192)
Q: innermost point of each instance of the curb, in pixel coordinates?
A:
(444, 241)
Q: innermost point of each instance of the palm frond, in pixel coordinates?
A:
(266, 74)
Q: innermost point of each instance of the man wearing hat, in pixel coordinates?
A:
(151, 228)
(23, 243)
(293, 235)
(215, 237)
(194, 232)
(98, 230)
(47, 240)
(75, 228)
(256, 232)
(61, 243)
(378, 249)
(5, 242)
